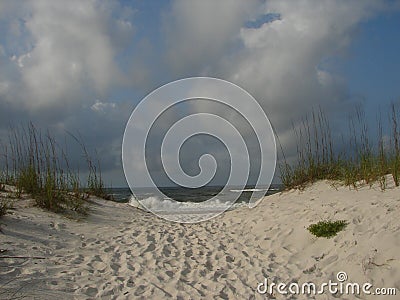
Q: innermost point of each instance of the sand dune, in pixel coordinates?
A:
(120, 252)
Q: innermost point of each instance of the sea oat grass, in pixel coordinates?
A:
(36, 164)
(363, 161)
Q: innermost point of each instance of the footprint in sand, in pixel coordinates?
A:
(170, 274)
(209, 265)
(78, 260)
(130, 283)
(98, 266)
(130, 267)
(189, 253)
(109, 249)
(310, 270)
(90, 291)
(140, 290)
(150, 248)
(229, 259)
(115, 267)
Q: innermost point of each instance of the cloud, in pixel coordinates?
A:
(71, 51)
(103, 107)
(57, 59)
(198, 33)
(280, 61)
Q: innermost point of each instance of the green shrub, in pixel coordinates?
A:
(327, 229)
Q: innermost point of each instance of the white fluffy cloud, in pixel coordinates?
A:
(279, 62)
(198, 33)
(70, 50)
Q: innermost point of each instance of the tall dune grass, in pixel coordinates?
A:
(363, 160)
(36, 164)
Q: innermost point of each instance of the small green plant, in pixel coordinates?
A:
(327, 228)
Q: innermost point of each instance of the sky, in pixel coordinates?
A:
(83, 66)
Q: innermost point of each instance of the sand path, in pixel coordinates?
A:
(120, 252)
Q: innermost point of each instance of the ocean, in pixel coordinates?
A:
(189, 199)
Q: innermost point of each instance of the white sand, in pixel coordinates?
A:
(120, 252)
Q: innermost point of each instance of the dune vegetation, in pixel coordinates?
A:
(364, 158)
(36, 164)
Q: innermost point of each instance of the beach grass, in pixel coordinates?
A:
(4, 207)
(365, 159)
(5, 204)
(36, 164)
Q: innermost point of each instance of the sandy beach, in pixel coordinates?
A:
(121, 252)
(114, 111)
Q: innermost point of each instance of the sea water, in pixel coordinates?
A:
(185, 199)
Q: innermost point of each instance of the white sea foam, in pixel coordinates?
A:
(169, 205)
(134, 202)
(249, 190)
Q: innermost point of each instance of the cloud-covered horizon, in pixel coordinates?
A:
(83, 66)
